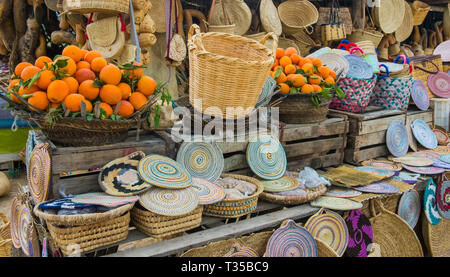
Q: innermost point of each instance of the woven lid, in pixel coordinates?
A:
(388, 165)
(419, 95)
(169, 202)
(430, 203)
(413, 160)
(380, 187)
(39, 173)
(241, 251)
(377, 171)
(439, 84)
(360, 234)
(341, 192)
(389, 14)
(201, 159)
(443, 49)
(291, 240)
(208, 192)
(335, 62)
(441, 136)
(106, 37)
(330, 228)
(266, 157)
(285, 183)
(443, 199)
(164, 172)
(270, 20)
(15, 213)
(411, 139)
(424, 169)
(103, 199)
(239, 13)
(334, 203)
(358, 67)
(397, 138)
(422, 132)
(25, 225)
(406, 27)
(409, 207)
(52, 5)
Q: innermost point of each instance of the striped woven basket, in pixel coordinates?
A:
(236, 208)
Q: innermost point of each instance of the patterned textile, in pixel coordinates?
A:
(357, 94)
(392, 93)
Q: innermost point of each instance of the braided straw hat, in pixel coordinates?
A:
(406, 28)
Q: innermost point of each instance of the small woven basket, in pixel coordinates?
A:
(365, 34)
(155, 225)
(297, 15)
(236, 208)
(89, 6)
(392, 93)
(299, 109)
(5, 227)
(227, 57)
(420, 11)
(311, 194)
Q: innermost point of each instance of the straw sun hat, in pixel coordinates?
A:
(405, 29)
(389, 15)
(106, 36)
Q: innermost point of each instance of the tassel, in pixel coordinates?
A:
(123, 28)
(89, 22)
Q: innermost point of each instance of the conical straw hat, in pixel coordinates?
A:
(406, 27)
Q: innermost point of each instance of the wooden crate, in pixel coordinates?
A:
(367, 133)
(316, 145)
(415, 113)
(75, 169)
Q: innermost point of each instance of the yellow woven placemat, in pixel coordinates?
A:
(345, 176)
(402, 187)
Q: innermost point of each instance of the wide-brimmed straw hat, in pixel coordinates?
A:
(106, 36)
(389, 15)
(406, 28)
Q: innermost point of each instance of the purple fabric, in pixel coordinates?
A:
(360, 234)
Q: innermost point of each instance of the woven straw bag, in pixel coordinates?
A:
(217, 64)
(425, 65)
(304, 42)
(334, 28)
(393, 234)
(89, 6)
(366, 33)
(236, 207)
(297, 15)
(437, 237)
(419, 11)
(344, 16)
(357, 94)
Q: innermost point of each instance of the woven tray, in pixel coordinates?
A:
(155, 225)
(311, 194)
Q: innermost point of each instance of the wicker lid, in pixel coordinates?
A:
(335, 203)
(164, 172)
(208, 192)
(383, 164)
(241, 251)
(106, 36)
(414, 160)
(397, 138)
(430, 203)
(388, 15)
(380, 187)
(201, 159)
(377, 171)
(239, 13)
(341, 192)
(409, 207)
(330, 228)
(422, 132)
(39, 173)
(406, 27)
(443, 199)
(439, 83)
(285, 183)
(270, 20)
(169, 202)
(360, 234)
(103, 199)
(419, 95)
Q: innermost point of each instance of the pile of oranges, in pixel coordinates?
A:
(79, 76)
(296, 74)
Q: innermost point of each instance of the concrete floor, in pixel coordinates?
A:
(5, 201)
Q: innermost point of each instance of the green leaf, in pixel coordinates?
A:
(157, 116)
(98, 83)
(300, 71)
(89, 117)
(75, 114)
(102, 113)
(34, 79)
(339, 92)
(278, 73)
(293, 90)
(61, 63)
(56, 56)
(130, 66)
(316, 68)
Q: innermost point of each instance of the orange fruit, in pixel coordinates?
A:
(57, 91)
(137, 99)
(13, 83)
(110, 94)
(284, 88)
(135, 73)
(317, 62)
(72, 83)
(20, 67)
(290, 51)
(284, 61)
(308, 68)
(146, 85)
(281, 79)
(295, 58)
(73, 52)
(111, 74)
(279, 53)
(317, 88)
(24, 91)
(88, 105)
(307, 88)
(71, 66)
(299, 80)
(84, 74)
(329, 80)
(90, 55)
(39, 100)
(40, 62)
(276, 68)
(54, 105)
(324, 71)
(290, 69)
(98, 63)
(290, 77)
(302, 61)
(125, 89)
(88, 90)
(126, 109)
(333, 74)
(314, 79)
(107, 108)
(277, 63)
(29, 71)
(73, 102)
(83, 53)
(83, 64)
(46, 78)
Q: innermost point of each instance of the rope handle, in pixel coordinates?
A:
(428, 71)
(379, 204)
(356, 48)
(309, 28)
(275, 39)
(404, 59)
(387, 71)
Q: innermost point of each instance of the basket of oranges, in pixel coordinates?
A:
(79, 99)
(306, 87)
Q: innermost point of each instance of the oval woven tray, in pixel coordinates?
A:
(311, 194)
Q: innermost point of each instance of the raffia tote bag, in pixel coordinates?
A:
(357, 94)
(227, 72)
(334, 29)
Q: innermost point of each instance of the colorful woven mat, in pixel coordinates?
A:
(169, 202)
(409, 207)
(349, 177)
(208, 192)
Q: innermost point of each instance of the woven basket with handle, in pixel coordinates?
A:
(218, 63)
(334, 28)
(420, 11)
(297, 15)
(366, 33)
(425, 65)
(88, 6)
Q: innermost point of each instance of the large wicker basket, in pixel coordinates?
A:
(424, 66)
(5, 229)
(156, 225)
(236, 208)
(89, 6)
(227, 71)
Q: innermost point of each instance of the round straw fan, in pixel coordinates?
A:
(15, 212)
(389, 15)
(430, 203)
(397, 138)
(169, 202)
(406, 27)
(39, 173)
(25, 225)
(423, 133)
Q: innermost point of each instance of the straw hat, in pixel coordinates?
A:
(389, 15)
(406, 28)
(269, 17)
(239, 13)
(52, 5)
(106, 37)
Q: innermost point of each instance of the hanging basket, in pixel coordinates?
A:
(419, 11)
(89, 6)
(297, 15)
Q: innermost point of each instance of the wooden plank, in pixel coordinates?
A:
(237, 161)
(426, 116)
(333, 126)
(197, 239)
(310, 147)
(381, 114)
(230, 147)
(62, 187)
(357, 142)
(372, 126)
(317, 162)
(355, 157)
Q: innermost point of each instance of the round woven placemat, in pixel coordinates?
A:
(169, 202)
(208, 192)
(39, 172)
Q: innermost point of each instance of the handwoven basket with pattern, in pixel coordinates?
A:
(311, 194)
(89, 6)
(236, 208)
(156, 225)
(424, 66)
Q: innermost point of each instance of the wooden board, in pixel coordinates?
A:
(316, 162)
(331, 126)
(357, 142)
(356, 156)
(315, 146)
(373, 125)
(426, 116)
